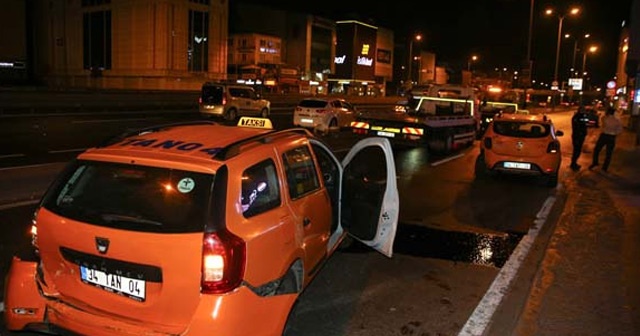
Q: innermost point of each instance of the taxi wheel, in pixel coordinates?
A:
(551, 180)
(264, 113)
(481, 168)
(231, 115)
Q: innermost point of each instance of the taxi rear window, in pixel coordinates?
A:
(131, 197)
(521, 129)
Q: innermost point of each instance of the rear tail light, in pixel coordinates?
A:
(223, 259)
(321, 111)
(34, 233)
(487, 143)
(298, 109)
(200, 100)
(224, 99)
(553, 147)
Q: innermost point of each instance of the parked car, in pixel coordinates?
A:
(324, 114)
(231, 101)
(522, 144)
(196, 229)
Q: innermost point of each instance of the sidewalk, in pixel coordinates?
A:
(588, 282)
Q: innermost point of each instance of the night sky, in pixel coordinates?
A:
(496, 30)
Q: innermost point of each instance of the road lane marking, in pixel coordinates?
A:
(479, 321)
(445, 160)
(31, 166)
(2, 307)
(18, 204)
(95, 121)
(67, 150)
(8, 156)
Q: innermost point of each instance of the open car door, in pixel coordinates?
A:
(369, 202)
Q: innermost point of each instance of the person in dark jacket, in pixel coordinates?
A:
(578, 133)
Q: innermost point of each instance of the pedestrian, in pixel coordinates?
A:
(578, 133)
(611, 127)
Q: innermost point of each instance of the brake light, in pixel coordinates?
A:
(34, 233)
(224, 98)
(298, 109)
(199, 100)
(223, 259)
(321, 111)
(487, 143)
(553, 147)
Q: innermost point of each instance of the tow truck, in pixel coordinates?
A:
(442, 124)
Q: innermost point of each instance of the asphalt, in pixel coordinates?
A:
(586, 281)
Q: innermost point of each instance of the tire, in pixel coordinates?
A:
(333, 124)
(231, 115)
(264, 113)
(551, 181)
(481, 170)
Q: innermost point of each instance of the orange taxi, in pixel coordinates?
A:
(194, 229)
(521, 143)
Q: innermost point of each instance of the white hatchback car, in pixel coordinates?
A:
(324, 114)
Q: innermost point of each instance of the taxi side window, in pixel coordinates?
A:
(260, 189)
(302, 176)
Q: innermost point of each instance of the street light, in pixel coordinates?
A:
(472, 59)
(592, 49)
(573, 11)
(417, 37)
(573, 71)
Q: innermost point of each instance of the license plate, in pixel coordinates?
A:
(386, 134)
(306, 121)
(517, 165)
(131, 288)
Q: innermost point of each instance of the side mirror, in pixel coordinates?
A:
(559, 133)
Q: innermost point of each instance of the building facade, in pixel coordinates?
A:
(119, 44)
(363, 60)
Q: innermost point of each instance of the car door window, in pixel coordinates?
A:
(260, 189)
(302, 177)
(336, 104)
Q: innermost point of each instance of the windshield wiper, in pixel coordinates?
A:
(131, 219)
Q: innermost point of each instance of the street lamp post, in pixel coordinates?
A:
(573, 11)
(416, 37)
(592, 49)
(573, 71)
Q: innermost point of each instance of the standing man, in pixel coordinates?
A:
(578, 133)
(611, 127)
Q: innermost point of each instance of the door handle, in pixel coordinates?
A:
(306, 221)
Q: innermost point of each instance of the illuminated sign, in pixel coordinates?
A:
(365, 49)
(365, 61)
(575, 83)
(340, 59)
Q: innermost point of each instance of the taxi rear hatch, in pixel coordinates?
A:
(125, 242)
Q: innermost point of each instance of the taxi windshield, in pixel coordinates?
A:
(521, 129)
(131, 197)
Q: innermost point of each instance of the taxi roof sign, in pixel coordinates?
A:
(255, 122)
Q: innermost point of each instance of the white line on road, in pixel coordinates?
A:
(18, 204)
(437, 163)
(108, 120)
(67, 150)
(31, 166)
(479, 321)
(11, 156)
